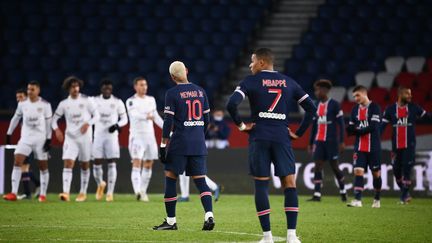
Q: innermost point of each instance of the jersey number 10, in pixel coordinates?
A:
(194, 109)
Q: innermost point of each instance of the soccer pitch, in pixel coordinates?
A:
(126, 220)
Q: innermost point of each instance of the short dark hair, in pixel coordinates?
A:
(264, 54)
(106, 82)
(135, 81)
(34, 82)
(67, 83)
(359, 88)
(21, 91)
(323, 83)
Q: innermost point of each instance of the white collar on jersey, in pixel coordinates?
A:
(269, 71)
(70, 97)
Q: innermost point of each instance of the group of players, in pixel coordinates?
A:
(183, 148)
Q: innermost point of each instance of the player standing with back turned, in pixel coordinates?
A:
(270, 95)
(187, 116)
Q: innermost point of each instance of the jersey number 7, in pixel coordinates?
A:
(278, 93)
(194, 109)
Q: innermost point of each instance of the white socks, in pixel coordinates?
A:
(291, 233)
(211, 184)
(208, 215)
(112, 177)
(15, 179)
(67, 179)
(98, 173)
(171, 221)
(44, 179)
(184, 185)
(145, 179)
(85, 177)
(136, 179)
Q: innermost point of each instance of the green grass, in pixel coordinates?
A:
(127, 220)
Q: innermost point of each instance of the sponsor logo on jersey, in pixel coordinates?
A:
(270, 115)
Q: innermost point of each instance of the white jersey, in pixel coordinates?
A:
(36, 120)
(111, 111)
(142, 113)
(77, 112)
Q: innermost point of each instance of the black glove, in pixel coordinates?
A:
(114, 127)
(8, 139)
(162, 155)
(47, 145)
(351, 130)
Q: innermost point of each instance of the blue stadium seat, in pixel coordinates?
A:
(15, 76)
(94, 50)
(16, 48)
(87, 64)
(126, 37)
(55, 49)
(152, 25)
(219, 67)
(31, 35)
(332, 67)
(310, 38)
(10, 62)
(48, 63)
(113, 24)
(51, 36)
(88, 36)
(338, 25)
(134, 51)
(348, 39)
(182, 39)
(356, 25)
(237, 39)
(293, 67)
(302, 52)
(127, 64)
(29, 63)
(35, 21)
(152, 51)
(363, 53)
(219, 39)
(200, 39)
(114, 50)
(125, 10)
(365, 11)
(384, 11)
(218, 12)
(326, 12)
(211, 53)
(318, 25)
(143, 10)
(131, 24)
(341, 52)
(345, 12)
(322, 52)
(146, 65)
(202, 66)
(94, 23)
(329, 39)
(230, 52)
(68, 63)
(172, 52)
(369, 39)
(170, 25)
(163, 38)
(105, 64)
(146, 38)
(246, 26)
(162, 11)
(54, 22)
(208, 25)
(225, 25)
(107, 9)
(345, 79)
(189, 25)
(313, 67)
(376, 25)
(88, 9)
(191, 52)
(403, 11)
(69, 36)
(35, 75)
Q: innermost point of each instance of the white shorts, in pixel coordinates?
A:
(106, 147)
(143, 148)
(80, 148)
(36, 146)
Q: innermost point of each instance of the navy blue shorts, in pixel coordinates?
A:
(403, 160)
(365, 159)
(194, 165)
(262, 153)
(325, 151)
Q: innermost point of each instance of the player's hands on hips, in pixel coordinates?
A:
(292, 135)
(341, 147)
(8, 139)
(59, 135)
(162, 155)
(84, 128)
(47, 145)
(114, 127)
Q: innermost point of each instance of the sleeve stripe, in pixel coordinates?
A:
(351, 123)
(241, 92)
(302, 98)
(385, 120)
(424, 112)
(206, 111)
(376, 119)
(169, 112)
(340, 114)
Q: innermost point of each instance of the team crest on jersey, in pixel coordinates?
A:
(81, 106)
(40, 109)
(130, 103)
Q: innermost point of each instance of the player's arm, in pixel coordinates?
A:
(157, 119)
(307, 104)
(422, 114)
(373, 124)
(206, 112)
(341, 125)
(350, 129)
(385, 120)
(54, 123)
(232, 106)
(169, 113)
(14, 123)
(123, 119)
(48, 121)
(313, 131)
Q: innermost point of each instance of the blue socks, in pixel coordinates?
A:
(291, 207)
(358, 187)
(318, 182)
(262, 204)
(170, 196)
(205, 194)
(377, 183)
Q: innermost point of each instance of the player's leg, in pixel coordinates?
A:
(285, 168)
(374, 161)
(407, 164)
(136, 151)
(98, 152)
(175, 165)
(113, 154)
(16, 174)
(150, 154)
(25, 179)
(184, 181)
(70, 153)
(146, 175)
(318, 178)
(84, 156)
(359, 169)
(259, 167)
(275, 179)
(42, 158)
(340, 179)
(196, 167)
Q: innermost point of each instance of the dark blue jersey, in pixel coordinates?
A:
(402, 119)
(271, 96)
(186, 115)
(327, 121)
(366, 120)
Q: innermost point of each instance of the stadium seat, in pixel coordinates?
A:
(394, 64)
(415, 64)
(419, 96)
(378, 95)
(429, 64)
(338, 93)
(365, 78)
(347, 106)
(405, 79)
(385, 79)
(424, 81)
